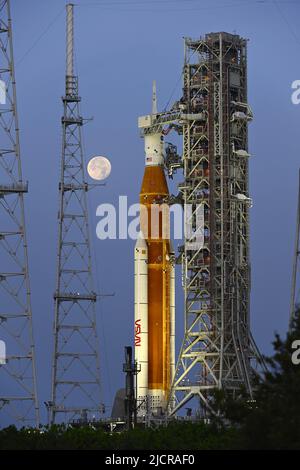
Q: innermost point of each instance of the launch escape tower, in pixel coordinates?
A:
(18, 396)
(218, 351)
(76, 390)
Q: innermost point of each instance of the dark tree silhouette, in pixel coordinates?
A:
(272, 419)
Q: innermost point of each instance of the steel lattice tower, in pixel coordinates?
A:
(218, 351)
(76, 390)
(295, 292)
(18, 395)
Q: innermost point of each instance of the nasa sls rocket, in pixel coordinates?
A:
(154, 272)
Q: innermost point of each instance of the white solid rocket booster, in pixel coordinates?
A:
(172, 313)
(141, 318)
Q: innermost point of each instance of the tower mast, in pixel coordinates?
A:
(18, 394)
(218, 351)
(294, 302)
(76, 388)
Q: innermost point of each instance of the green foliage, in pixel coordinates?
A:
(270, 421)
(175, 436)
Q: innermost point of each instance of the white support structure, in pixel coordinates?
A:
(141, 322)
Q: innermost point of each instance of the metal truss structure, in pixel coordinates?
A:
(76, 388)
(218, 351)
(295, 291)
(18, 395)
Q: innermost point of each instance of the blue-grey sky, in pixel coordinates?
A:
(121, 46)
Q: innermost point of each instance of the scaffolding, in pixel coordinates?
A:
(218, 351)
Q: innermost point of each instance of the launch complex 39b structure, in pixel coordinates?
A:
(217, 351)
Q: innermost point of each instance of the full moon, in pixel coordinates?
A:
(99, 168)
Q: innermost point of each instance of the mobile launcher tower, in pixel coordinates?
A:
(217, 351)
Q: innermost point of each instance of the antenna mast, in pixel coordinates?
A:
(76, 388)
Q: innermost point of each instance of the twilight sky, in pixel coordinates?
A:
(121, 46)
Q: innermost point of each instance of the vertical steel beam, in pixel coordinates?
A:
(18, 391)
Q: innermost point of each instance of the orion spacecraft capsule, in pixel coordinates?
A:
(154, 279)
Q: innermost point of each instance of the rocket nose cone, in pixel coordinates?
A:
(141, 242)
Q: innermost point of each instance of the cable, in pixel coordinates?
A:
(176, 85)
(292, 31)
(176, 2)
(41, 36)
(141, 3)
(109, 6)
(143, 7)
(159, 3)
(173, 91)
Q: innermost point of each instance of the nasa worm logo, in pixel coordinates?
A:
(137, 337)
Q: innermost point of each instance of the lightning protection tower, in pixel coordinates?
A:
(76, 391)
(295, 292)
(218, 351)
(18, 396)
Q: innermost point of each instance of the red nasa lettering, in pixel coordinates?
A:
(137, 332)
